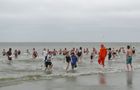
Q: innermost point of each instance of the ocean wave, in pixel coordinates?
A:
(52, 75)
(27, 69)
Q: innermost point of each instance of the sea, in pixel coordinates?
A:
(24, 68)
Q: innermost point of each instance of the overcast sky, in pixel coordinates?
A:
(69, 20)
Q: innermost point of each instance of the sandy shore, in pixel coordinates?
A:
(113, 81)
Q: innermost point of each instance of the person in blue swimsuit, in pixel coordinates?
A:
(74, 61)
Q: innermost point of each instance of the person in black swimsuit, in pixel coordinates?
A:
(9, 54)
(133, 50)
(79, 54)
(68, 60)
(109, 54)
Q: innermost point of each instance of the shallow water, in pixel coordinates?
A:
(26, 69)
(101, 81)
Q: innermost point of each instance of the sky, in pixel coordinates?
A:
(69, 20)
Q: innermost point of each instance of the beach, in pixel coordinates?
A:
(27, 73)
(113, 81)
(69, 44)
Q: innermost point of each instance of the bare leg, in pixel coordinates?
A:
(80, 59)
(103, 63)
(131, 67)
(67, 67)
(72, 67)
(127, 67)
(50, 67)
(45, 68)
(91, 61)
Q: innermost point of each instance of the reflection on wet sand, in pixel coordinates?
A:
(129, 76)
(102, 79)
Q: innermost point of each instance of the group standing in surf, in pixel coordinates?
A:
(75, 56)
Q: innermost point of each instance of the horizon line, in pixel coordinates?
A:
(76, 42)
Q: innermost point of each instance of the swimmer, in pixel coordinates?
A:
(44, 53)
(74, 61)
(68, 60)
(93, 53)
(129, 57)
(102, 55)
(19, 52)
(48, 62)
(79, 54)
(9, 54)
(16, 54)
(34, 54)
(133, 50)
(27, 52)
(4, 52)
(109, 54)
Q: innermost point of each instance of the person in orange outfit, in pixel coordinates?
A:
(102, 55)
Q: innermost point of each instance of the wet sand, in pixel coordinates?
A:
(112, 81)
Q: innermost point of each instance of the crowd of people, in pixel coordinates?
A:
(75, 56)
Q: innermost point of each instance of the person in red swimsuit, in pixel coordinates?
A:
(102, 55)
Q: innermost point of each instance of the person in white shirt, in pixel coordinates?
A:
(48, 62)
(44, 53)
